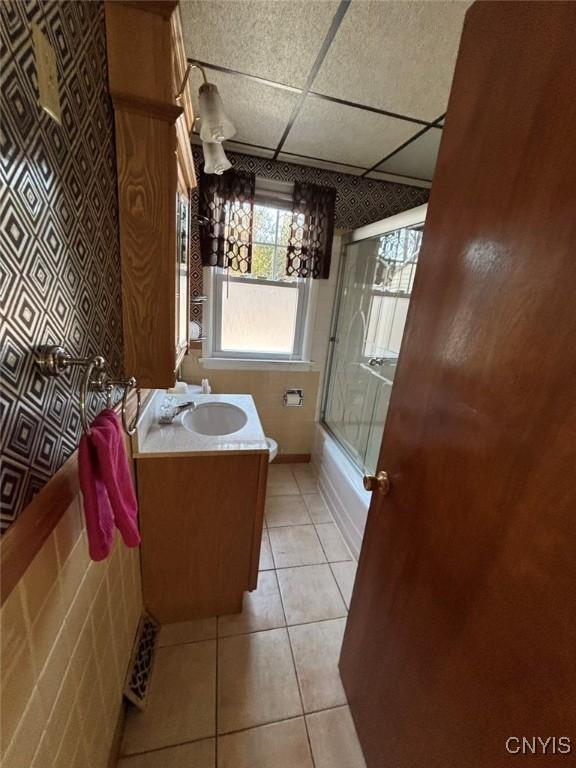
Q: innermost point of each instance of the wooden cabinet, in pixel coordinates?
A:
(147, 64)
(201, 520)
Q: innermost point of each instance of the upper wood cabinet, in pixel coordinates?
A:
(146, 67)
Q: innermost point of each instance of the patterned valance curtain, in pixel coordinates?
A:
(311, 231)
(225, 211)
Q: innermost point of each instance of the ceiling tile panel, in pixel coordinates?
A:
(344, 134)
(418, 159)
(277, 39)
(397, 56)
(259, 112)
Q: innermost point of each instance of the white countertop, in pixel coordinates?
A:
(152, 439)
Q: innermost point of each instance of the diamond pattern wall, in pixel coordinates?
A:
(60, 262)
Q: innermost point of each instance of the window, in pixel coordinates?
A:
(263, 314)
(392, 281)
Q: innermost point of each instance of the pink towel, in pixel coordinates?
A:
(107, 488)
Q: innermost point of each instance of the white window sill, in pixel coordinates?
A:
(237, 363)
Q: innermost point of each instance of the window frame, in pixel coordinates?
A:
(219, 283)
(276, 195)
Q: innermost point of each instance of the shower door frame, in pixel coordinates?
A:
(410, 218)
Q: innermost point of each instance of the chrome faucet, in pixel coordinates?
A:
(381, 360)
(169, 414)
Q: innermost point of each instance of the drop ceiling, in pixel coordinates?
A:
(356, 86)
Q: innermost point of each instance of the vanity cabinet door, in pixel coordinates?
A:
(201, 520)
(147, 212)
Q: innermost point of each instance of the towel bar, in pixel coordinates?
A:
(54, 360)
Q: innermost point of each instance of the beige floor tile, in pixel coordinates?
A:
(286, 510)
(310, 593)
(281, 481)
(200, 754)
(279, 745)
(345, 573)
(317, 508)
(306, 478)
(262, 609)
(181, 705)
(187, 632)
(332, 542)
(316, 652)
(278, 472)
(256, 680)
(266, 560)
(334, 740)
(295, 545)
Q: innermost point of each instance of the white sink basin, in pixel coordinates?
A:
(215, 419)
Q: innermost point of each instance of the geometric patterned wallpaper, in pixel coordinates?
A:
(60, 263)
(358, 201)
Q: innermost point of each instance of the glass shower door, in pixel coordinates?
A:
(376, 283)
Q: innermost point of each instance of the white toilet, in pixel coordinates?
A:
(273, 448)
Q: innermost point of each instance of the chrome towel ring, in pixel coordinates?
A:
(130, 384)
(54, 360)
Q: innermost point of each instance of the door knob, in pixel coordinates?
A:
(379, 482)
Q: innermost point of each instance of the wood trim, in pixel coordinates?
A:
(139, 52)
(185, 159)
(162, 8)
(258, 521)
(27, 534)
(25, 537)
(292, 458)
(180, 64)
(161, 110)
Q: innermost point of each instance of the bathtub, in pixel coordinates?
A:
(341, 485)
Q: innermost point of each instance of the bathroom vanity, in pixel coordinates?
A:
(201, 491)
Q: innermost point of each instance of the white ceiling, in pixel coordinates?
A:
(333, 131)
(418, 158)
(384, 56)
(275, 39)
(259, 113)
(397, 56)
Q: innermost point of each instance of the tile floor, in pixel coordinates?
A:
(260, 689)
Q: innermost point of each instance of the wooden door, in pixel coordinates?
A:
(462, 630)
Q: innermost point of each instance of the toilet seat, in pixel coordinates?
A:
(273, 448)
